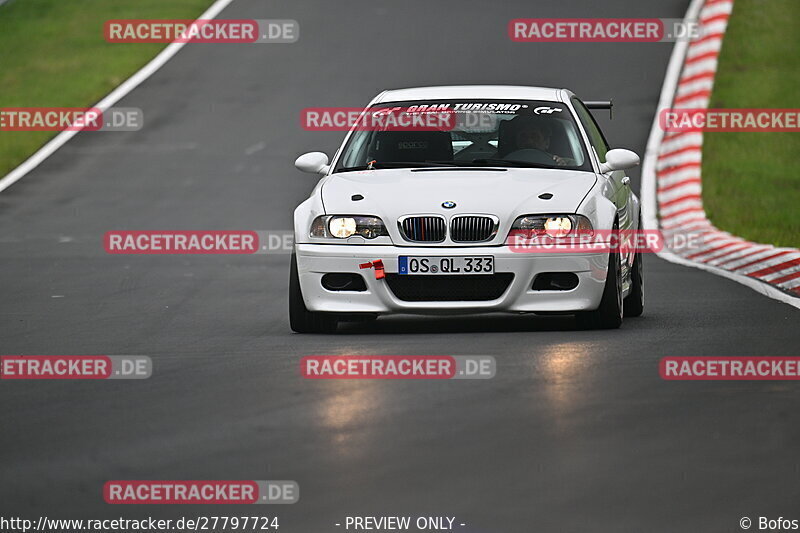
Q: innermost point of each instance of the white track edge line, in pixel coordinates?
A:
(648, 192)
(113, 97)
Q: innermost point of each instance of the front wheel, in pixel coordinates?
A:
(301, 320)
(609, 314)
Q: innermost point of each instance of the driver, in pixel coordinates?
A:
(535, 135)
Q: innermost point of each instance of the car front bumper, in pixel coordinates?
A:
(316, 260)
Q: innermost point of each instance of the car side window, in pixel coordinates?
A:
(592, 130)
(358, 154)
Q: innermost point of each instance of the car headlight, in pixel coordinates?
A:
(558, 226)
(554, 226)
(342, 227)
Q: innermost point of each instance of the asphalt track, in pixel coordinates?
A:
(576, 433)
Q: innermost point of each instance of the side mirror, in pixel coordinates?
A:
(619, 159)
(313, 162)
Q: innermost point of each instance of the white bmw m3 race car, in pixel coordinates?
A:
(418, 216)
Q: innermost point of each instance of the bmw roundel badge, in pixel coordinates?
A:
(448, 205)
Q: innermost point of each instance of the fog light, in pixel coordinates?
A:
(555, 281)
(343, 282)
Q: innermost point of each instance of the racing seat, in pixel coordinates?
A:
(412, 146)
(506, 137)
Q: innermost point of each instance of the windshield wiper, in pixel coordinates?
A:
(510, 163)
(398, 164)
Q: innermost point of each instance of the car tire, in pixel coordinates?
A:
(609, 314)
(301, 320)
(633, 304)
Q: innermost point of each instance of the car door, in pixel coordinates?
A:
(618, 181)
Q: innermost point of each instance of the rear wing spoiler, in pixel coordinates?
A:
(602, 104)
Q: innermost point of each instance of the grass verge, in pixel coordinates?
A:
(54, 55)
(751, 181)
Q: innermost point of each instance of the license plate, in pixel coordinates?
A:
(415, 265)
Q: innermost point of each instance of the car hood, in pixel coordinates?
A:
(392, 193)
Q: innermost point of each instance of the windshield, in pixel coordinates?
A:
(498, 133)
